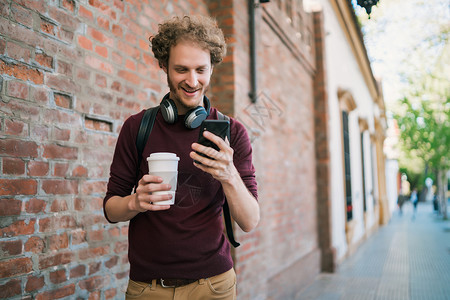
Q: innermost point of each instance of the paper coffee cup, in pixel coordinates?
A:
(164, 165)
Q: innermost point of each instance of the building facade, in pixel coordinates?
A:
(296, 75)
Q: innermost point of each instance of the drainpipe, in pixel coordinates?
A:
(252, 5)
(253, 82)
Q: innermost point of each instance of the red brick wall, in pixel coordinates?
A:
(71, 72)
(70, 75)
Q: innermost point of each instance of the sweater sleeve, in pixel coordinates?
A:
(242, 158)
(124, 164)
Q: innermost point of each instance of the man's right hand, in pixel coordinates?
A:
(122, 209)
(145, 199)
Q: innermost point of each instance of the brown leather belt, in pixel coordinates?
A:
(174, 283)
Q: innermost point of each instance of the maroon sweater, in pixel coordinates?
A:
(187, 240)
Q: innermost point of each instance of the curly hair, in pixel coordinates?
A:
(201, 30)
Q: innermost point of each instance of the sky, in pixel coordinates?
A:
(396, 40)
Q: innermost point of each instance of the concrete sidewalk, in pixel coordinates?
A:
(408, 259)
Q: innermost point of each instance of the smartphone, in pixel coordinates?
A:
(220, 128)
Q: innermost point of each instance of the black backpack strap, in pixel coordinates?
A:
(144, 132)
(226, 208)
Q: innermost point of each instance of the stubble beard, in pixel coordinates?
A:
(175, 95)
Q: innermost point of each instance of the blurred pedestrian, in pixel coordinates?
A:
(414, 200)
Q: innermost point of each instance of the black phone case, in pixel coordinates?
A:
(220, 128)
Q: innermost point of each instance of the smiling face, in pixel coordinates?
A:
(188, 71)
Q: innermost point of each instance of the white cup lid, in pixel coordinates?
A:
(163, 156)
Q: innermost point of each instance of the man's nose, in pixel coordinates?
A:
(192, 79)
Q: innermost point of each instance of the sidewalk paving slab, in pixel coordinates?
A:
(407, 259)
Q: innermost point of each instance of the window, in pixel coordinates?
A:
(347, 169)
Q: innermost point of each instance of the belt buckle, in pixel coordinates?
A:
(166, 286)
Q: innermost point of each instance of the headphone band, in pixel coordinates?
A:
(193, 117)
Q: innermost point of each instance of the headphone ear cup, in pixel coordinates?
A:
(195, 117)
(169, 110)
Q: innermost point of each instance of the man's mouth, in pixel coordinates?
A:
(190, 91)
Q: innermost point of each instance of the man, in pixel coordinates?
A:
(180, 251)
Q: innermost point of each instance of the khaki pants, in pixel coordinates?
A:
(219, 287)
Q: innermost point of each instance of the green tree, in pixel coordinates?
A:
(407, 43)
(423, 118)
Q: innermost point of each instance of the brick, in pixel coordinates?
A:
(39, 132)
(34, 244)
(98, 64)
(58, 276)
(78, 271)
(102, 51)
(66, 19)
(100, 81)
(130, 77)
(61, 134)
(103, 22)
(121, 246)
(22, 72)
(36, 5)
(18, 148)
(59, 187)
(18, 227)
(95, 235)
(52, 116)
(60, 152)
(16, 127)
(40, 95)
(52, 260)
(44, 60)
(11, 248)
(80, 171)
(34, 283)
(18, 52)
(100, 37)
(10, 289)
(112, 262)
(15, 267)
(93, 252)
(111, 293)
(21, 15)
(13, 166)
(61, 83)
(70, 5)
(63, 100)
(78, 237)
(57, 293)
(93, 283)
(94, 267)
(65, 68)
(17, 89)
(58, 205)
(18, 187)
(60, 169)
(117, 30)
(85, 13)
(48, 27)
(96, 124)
(85, 43)
(56, 222)
(37, 168)
(34, 206)
(2, 43)
(10, 207)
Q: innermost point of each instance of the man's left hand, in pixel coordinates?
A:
(218, 163)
